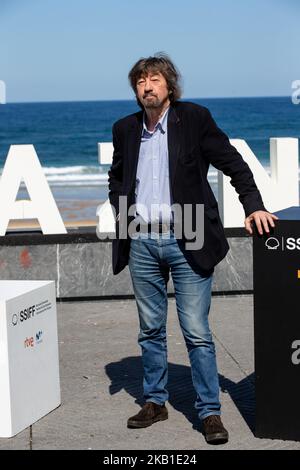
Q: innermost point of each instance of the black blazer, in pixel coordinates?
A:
(194, 141)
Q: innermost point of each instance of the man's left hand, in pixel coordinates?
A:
(262, 221)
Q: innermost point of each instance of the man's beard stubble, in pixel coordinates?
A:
(154, 103)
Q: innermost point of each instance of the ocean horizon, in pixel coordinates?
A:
(65, 135)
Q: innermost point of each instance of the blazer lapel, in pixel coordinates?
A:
(174, 142)
(133, 147)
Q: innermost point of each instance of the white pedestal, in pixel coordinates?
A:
(29, 367)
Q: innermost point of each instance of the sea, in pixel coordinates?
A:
(65, 136)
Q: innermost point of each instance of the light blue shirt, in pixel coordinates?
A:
(152, 188)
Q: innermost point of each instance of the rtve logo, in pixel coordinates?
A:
(39, 337)
(29, 342)
(290, 243)
(23, 315)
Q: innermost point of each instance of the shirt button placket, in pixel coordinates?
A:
(155, 187)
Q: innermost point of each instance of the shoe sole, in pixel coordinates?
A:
(217, 438)
(138, 425)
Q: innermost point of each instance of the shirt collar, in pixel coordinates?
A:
(161, 124)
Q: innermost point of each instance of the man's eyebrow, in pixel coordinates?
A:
(143, 77)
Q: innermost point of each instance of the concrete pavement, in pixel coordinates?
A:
(101, 381)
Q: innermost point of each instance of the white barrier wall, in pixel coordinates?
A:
(29, 367)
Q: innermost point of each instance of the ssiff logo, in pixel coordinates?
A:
(291, 243)
(23, 315)
(272, 243)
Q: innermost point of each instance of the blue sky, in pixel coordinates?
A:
(57, 50)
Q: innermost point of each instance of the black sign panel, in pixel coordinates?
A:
(276, 271)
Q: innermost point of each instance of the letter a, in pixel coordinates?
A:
(22, 163)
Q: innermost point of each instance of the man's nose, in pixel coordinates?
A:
(148, 85)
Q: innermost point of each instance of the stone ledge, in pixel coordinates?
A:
(80, 264)
(76, 235)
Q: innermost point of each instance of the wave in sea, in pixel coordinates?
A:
(90, 175)
(76, 175)
(97, 175)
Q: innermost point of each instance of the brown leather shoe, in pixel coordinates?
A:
(149, 414)
(214, 431)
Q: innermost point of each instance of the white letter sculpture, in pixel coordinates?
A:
(280, 190)
(22, 163)
(104, 211)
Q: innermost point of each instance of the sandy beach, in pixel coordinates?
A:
(77, 205)
(75, 213)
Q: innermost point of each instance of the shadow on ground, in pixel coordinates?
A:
(127, 374)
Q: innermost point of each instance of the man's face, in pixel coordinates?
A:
(152, 90)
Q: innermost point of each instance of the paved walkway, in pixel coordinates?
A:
(101, 382)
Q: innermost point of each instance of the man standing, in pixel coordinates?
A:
(161, 158)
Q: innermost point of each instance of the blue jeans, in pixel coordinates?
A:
(151, 257)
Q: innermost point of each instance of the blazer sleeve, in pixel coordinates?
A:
(222, 155)
(115, 173)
